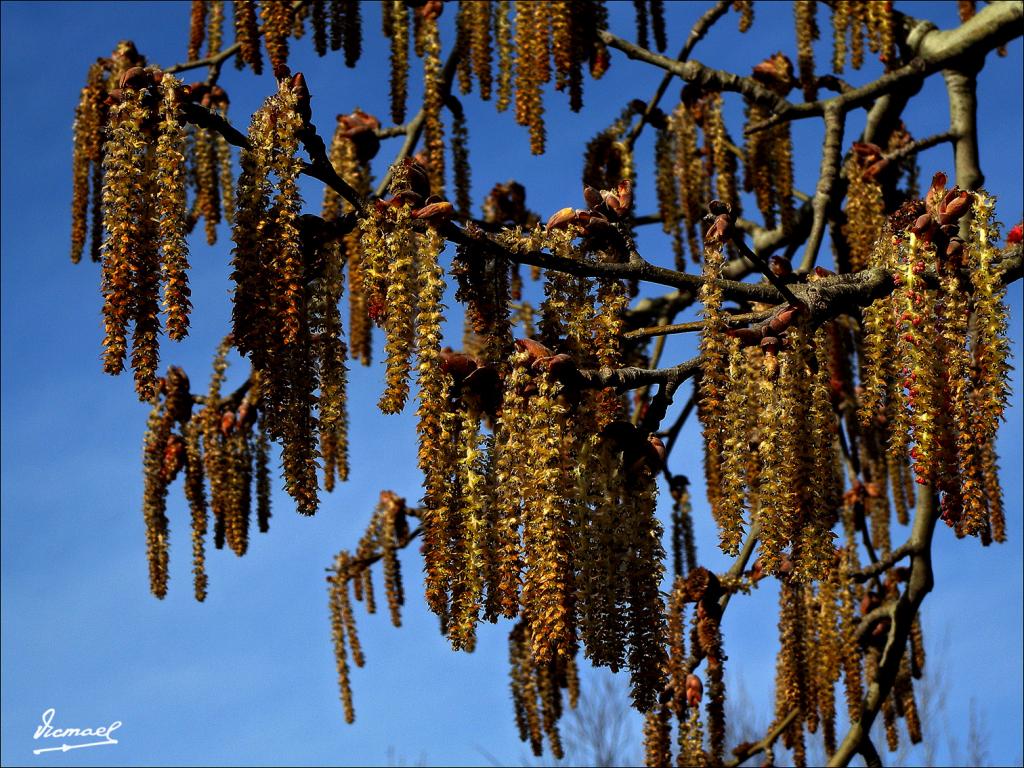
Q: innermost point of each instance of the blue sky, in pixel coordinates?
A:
(248, 677)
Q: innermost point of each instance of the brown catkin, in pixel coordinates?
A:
(804, 12)
(399, 17)
(196, 29)
(247, 35)
(503, 39)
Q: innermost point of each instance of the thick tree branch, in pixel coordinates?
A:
(935, 49)
(904, 610)
(831, 158)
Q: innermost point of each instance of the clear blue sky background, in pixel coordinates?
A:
(248, 677)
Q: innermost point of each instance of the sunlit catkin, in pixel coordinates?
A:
(170, 211)
(865, 215)
(714, 385)
(503, 41)
(532, 70)
(123, 205)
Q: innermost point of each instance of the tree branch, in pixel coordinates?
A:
(706, 77)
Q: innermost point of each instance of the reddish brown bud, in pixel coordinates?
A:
(592, 197)
(748, 336)
(134, 78)
(780, 267)
(954, 206)
(694, 690)
(174, 457)
(456, 364)
(783, 319)
(562, 218)
(435, 213)
(227, 423)
(535, 349)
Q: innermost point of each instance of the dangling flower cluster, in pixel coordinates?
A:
(210, 157)
(247, 35)
(474, 28)
(433, 94)
(396, 259)
(354, 145)
(220, 446)
(144, 216)
(396, 28)
(565, 32)
(650, 16)
(851, 20)
(865, 210)
(768, 155)
(288, 283)
(537, 691)
(804, 14)
(945, 392)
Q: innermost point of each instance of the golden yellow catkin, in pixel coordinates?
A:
(215, 28)
(768, 155)
(123, 205)
(714, 384)
(548, 589)
(170, 210)
(531, 70)
(734, 441)
(399, 318)
(915, 303)
(717, 147)
(691, 174)
(247, 35)
(657, 738)
(865, 215)
(325, 320)
(804, 12)
(850, 650)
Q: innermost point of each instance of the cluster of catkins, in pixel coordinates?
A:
(508, 529)
(688, 174)
(135, 141)
(387, 533)
(224, 450)
(934, 356)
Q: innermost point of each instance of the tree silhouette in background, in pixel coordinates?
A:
(828, 401)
